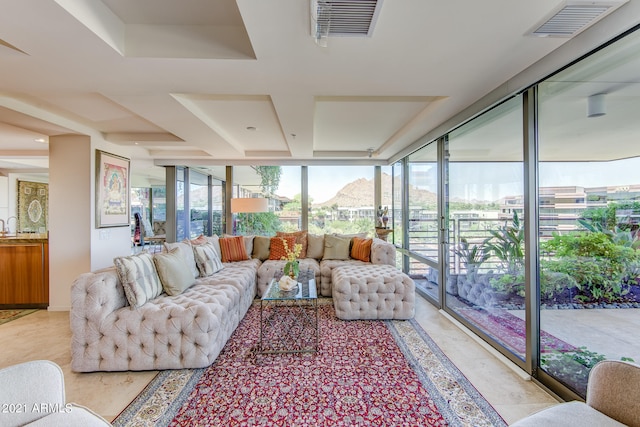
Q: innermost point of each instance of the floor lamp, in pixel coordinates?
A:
(248, 205)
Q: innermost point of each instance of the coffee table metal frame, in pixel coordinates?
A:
(289, 319)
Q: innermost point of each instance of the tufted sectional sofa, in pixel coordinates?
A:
(170, 332)
(188, 330)
(381, 253)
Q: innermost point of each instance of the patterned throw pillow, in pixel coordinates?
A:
(301, 238)
(336, 247)
(233, 249)
(174, 273)
(139, 278)
(248, 243)
(207, 259)
(215, 241)
(361, 249)
(276, 249)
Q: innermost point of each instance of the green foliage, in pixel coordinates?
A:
(598, 265)
(269, 178)
(472, 256)
(508, 283)
(261, 223)
(572, 367)
(507, 244)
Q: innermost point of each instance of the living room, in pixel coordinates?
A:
(178, 108)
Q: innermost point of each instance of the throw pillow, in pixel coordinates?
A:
(215, 241)
(276, 248)
(139, 278)
(261, 245)
(233, 249)
(315, 246)
(198, 240)
(248, 243)
(187, 254)
(361, 249)
(301, 238)
(207, 259)
(336, 247)
(174, 273)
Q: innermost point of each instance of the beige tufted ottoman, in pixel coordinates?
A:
(372, 292)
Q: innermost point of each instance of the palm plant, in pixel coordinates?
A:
(472, 256)
(507, 244)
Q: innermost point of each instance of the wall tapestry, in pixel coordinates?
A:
(33, 207)
(112, 190)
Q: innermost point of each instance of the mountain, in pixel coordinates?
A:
(359, 193)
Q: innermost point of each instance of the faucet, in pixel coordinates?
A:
(16, 224)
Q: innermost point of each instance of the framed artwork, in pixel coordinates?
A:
(112, 190)
(33, 207)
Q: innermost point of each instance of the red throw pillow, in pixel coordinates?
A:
(276, 249)
(361, 249)
(233, 249)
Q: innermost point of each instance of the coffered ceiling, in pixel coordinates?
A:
(206, 82)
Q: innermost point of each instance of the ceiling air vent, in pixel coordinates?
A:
(574, 17)
(355, 18)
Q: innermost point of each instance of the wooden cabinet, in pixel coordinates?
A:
(24, 274)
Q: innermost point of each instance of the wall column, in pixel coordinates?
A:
(70, 215)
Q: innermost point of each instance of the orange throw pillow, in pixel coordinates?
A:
(233, 249)
(301, 237)
(361, 249)
(276, 249)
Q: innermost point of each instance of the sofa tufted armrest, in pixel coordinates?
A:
(383, 252)
(94, 296)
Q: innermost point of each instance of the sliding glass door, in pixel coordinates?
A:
(589, 208)
(484, 206)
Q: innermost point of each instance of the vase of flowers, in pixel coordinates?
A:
(292, 266)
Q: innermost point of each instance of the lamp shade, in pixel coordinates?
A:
(240, 205)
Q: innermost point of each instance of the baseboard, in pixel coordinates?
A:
(58, 308)
(515, 368)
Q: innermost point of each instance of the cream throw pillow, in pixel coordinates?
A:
(187, 254)
(315, 246)
(139, 278)
(174, 273)
(336, 247)
(261, 245)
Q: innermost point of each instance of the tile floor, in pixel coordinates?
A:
(46, 335)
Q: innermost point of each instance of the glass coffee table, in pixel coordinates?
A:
(289, 319)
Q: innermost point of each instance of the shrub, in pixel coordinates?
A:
(597, 264)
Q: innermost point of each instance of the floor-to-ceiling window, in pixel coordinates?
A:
(486, 225)
(199, 200)
(342, 199)
(589, 209)
(422, 217)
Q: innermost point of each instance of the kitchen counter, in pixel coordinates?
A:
(24, 238)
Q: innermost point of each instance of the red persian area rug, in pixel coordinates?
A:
(366, 373)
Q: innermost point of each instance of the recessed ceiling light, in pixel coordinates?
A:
(41, 140)
(251, 128)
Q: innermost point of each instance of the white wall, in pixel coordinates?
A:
(75, 245)
(4, 197)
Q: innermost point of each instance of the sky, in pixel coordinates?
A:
(471, 181)
(324, 181)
